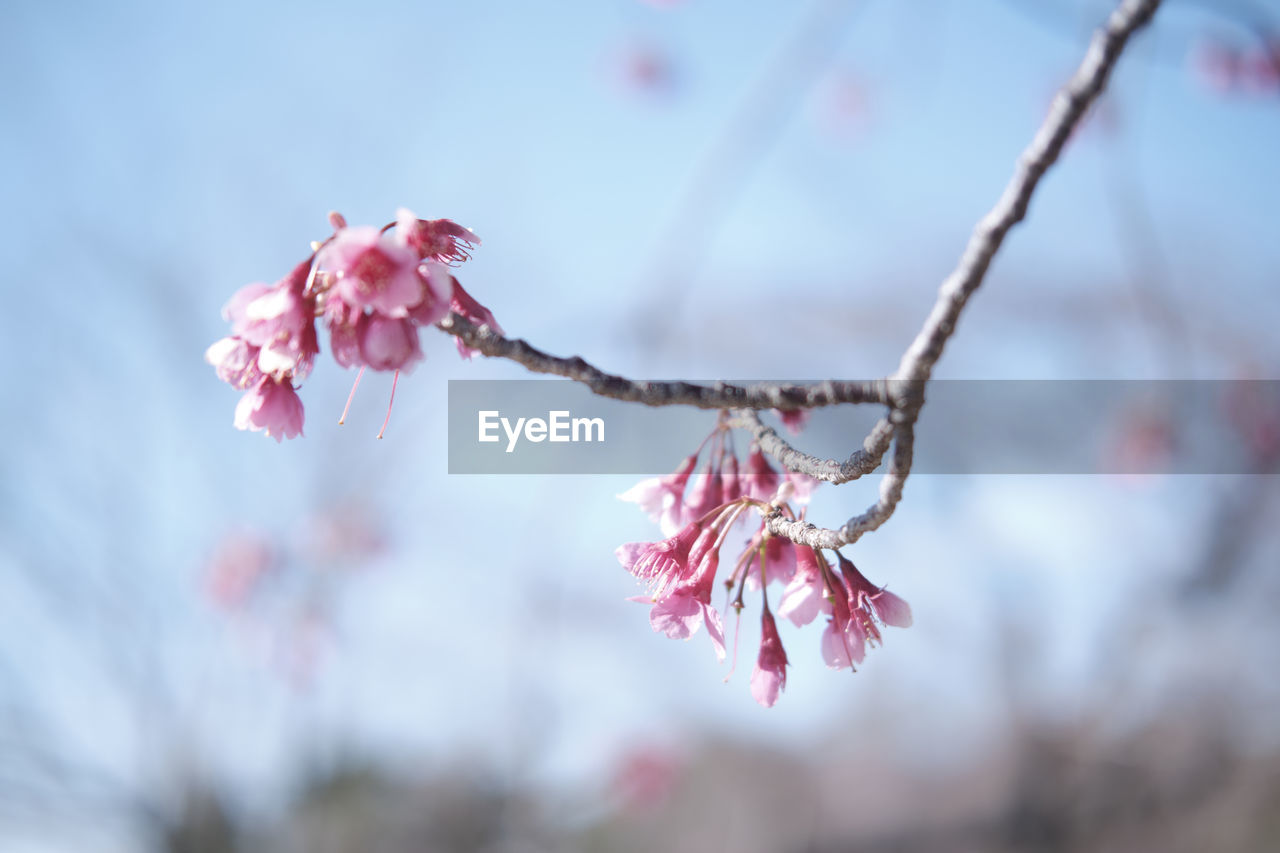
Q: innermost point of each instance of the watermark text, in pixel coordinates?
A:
(559, 426)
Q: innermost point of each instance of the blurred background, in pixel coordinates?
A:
(211, 642)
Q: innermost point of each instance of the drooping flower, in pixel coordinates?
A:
(282, 312)
(888, 608)
(770, 675)
(759, 480)
(235, 361)
(679, 610)
(779, 559)
(705, 494)
(279, 321)
(680, 589)
(857, 605)
(343, 321)
(805, 597)
(843, 641)
(843, 644)
(662, 497)
(388, 343)
(731, 485)
(272, 406)
(660, 563)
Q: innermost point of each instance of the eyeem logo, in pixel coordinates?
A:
(558, 427)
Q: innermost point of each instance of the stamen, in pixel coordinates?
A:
(395, 377)
(308, 288)
(350, 397)
(737, 632)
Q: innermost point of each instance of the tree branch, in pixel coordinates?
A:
(721, 395)
(804, 533)
(861, 462)
(904, 392)
(1068, 108)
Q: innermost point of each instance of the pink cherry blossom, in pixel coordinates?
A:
(843, 642)
(235, 361)
(441, 240)
(374, 270)
(662, 497)
(372, 287)
(279, 322)
(271, 406)
(662, 563)
(805, 597)
(759, 480)
(705, 494)
(235, 311)
(779, 559)
(437, 295)
(888, 608)
(388, 343)
(682, 599)
(343, 322)
(731, 485)
(281, 315)
(681, 614)
(770, 675)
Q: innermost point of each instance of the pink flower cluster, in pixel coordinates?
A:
(680, 571)
(372, 288)
(677, 498)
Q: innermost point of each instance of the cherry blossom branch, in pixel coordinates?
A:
(861, 462)
(917, 363)
(374, 289)
(891, 485)
(721, 395)
(904, 392)
(904, 396)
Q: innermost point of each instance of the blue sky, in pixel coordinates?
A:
(159, 156)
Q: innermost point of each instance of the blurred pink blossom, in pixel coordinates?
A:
(645, 777)
(238, 565)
